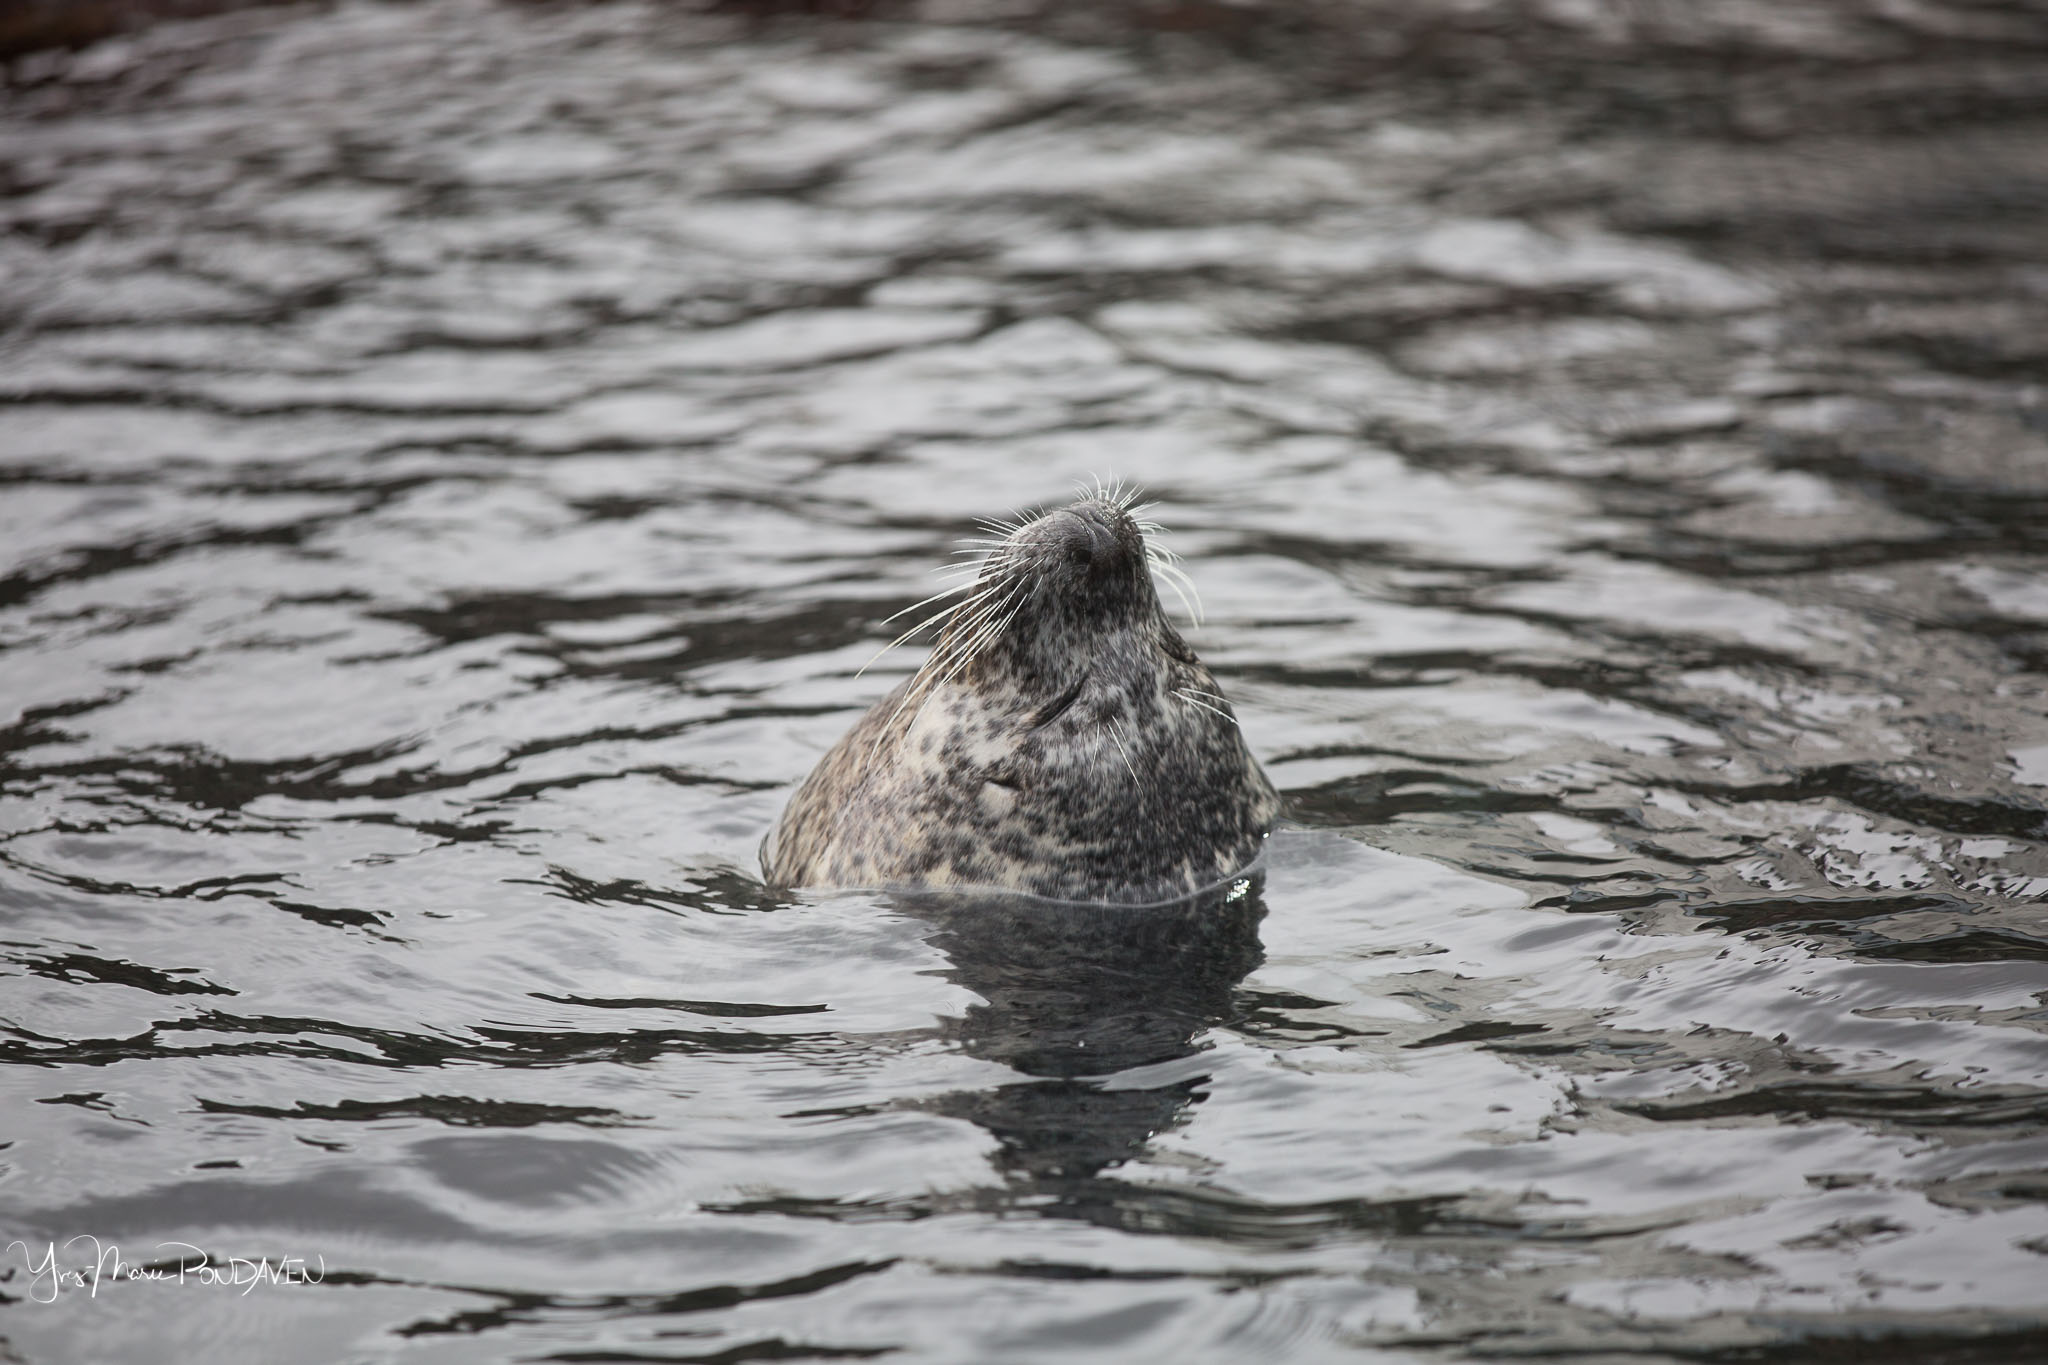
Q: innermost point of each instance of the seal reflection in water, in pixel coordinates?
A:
(1062, 740)
(1068, 994)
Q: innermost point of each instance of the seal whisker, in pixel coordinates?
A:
(998, 527)
(1115, 492)
(1116, 739)
(928, 621)
(1183, 587)
(954, 591)
(1188, 697)
(992, 628)
(953, 657)
(1159, 554)
(1173, 572)
(943, 613)
(923, 683)
(1193, 614)
(901, 639)
(975, 622)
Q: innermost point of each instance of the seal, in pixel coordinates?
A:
(1061, 740)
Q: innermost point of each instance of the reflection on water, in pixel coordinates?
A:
(1074, 994)
(455, 459)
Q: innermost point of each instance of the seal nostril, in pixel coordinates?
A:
(1089, 545)
(1102, 546)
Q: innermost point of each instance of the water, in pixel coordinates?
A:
(458, 455)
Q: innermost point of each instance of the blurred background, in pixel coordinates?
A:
(456, 457)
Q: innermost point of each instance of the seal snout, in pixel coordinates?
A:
(1088, 543)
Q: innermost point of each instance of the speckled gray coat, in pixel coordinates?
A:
(1062, 740)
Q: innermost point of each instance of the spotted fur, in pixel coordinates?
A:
(1061, 741)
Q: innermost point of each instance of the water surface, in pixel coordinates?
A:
(458, 456)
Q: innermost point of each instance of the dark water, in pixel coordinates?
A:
(457, 455)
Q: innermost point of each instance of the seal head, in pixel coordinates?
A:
(1062, 741)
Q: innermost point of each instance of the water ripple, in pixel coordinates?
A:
(456, 461)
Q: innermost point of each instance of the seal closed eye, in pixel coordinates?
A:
(1062, 740)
